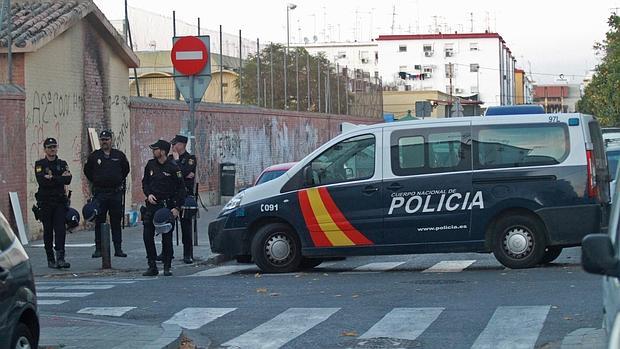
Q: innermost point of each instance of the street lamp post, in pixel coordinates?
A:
(288, 8)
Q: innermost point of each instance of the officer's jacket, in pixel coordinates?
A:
(106, 172)
(54, 187)
(165, 181)
(187, 164)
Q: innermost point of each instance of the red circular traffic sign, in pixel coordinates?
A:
(189, 55)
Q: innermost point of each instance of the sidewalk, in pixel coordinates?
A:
(80, 245)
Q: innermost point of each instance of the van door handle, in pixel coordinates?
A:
(394, 187)
(369, 189)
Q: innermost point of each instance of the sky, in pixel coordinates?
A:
(547, 37)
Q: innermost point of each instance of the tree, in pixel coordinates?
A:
(272, 58)
(602, 95)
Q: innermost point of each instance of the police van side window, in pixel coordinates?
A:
(430, 151)
(520, 145)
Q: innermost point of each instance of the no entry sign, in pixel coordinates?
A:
(189, 55)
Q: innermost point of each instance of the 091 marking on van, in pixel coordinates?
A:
(327, 225)
(449, 200)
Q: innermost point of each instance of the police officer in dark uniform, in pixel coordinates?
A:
(52, 175)
(163, 186)
(106, 169)
(187, 163)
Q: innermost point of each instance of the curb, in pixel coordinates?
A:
(170, 339)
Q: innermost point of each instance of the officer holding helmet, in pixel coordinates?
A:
(52, 175)
(187, 164)
(106, 169)
(163, 187)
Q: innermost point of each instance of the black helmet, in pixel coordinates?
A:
(72, 218)
(190, 207)
(90, 210)
(162, 220)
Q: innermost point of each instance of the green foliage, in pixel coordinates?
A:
(601, 96)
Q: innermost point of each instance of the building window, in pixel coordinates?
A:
(449, 50)
(428, 50)
(342, 54)
(364, 57)
(473, 46)
(402, 48)
(428, 69)
(474, 67)
(407, 87)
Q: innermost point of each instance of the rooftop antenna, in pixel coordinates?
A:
(393, 17)
(417, 29)
(471, 21)
(355, 26)
(488, 20)
(435, 27)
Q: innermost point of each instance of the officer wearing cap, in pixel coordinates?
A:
(52, 176)
(163, 186)
(187, 164)
(106, 170)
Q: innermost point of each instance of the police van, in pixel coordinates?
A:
(521, 187)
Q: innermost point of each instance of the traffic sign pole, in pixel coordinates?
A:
(192, 117)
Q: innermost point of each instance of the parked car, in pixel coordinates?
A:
(611, 135)
(273, 172)
(19, 321)
(601, 255)
(613, 156)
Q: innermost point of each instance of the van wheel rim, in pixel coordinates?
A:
(518, 242)
(23, 343)
(278, 248)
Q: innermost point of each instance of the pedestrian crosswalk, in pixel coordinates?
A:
(346, 268)
(419, 324)
(63, 291)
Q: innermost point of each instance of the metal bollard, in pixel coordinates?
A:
(106, 260)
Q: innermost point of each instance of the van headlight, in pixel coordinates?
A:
(233, 203)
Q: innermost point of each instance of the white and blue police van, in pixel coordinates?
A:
(522, 187)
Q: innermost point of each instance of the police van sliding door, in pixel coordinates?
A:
(427, 186)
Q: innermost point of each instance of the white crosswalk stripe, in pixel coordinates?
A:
(515, 327)
(195, 318)
(223, 270)
(106, 311)
(449, 266)
(403, 323)
(51, 301)
(282, 329)
(56, 289)
(375, 267)
(64, 294)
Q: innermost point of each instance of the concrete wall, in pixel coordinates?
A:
(252, 138)
(86, 86)
(12, 140)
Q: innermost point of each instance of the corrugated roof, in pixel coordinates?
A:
(34, 23)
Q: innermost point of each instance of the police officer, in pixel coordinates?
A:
(187, 164)
(163, 186)
(52, 176)
(107, 169)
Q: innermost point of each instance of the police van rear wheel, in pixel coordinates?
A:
(276, 249)
(519, 242)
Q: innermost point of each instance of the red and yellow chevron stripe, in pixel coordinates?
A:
(327, 225)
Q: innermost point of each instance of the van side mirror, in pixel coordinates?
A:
(307, 172)
(598, 255)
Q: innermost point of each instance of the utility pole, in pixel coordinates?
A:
(393, 17)
(450, 100)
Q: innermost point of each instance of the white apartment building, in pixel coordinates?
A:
(352, 55)
(463, 65)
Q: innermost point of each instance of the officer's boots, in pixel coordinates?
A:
(167, 265)
(97, 253)
(118, 251)
(51, 259)
(187, 254)
(152, 270)
(60, 260)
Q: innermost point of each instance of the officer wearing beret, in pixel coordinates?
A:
(106, 169)
(187, 163)
(163, 186)
(52, 176)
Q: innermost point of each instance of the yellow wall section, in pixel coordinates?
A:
(333, 233)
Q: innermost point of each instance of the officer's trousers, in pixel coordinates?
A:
(187, 234)
(111, 203)
(148, 236)
(53, 219)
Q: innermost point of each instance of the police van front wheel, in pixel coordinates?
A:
(519, 242)
(276, 249)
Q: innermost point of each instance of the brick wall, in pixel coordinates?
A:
(252, 138)
(12, 141)
(18, 69)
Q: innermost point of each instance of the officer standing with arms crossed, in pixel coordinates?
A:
(163, 187)
(106, 169)
(52, 175)
(187, 164)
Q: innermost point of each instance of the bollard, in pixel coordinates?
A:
(106, 260)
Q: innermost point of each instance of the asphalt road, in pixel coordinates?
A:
(466, 301)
